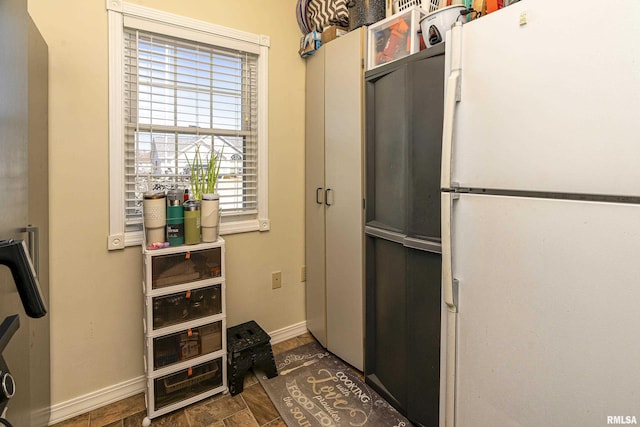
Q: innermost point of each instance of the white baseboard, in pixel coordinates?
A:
(288, 332)
(96, 399)
(99, 398)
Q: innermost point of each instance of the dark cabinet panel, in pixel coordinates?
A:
(426, 81)
(386, 349)
(404, 144)
(403, 327)
(403, 260)
(423, 318)
(387, 150)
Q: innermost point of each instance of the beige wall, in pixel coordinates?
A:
(96, 298)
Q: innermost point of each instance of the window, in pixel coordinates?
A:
(179, 85)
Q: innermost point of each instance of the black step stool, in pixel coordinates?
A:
(248, 346)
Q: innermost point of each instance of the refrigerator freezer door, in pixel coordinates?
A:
(547, 311)
(549, 99)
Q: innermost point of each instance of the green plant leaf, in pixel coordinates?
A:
(204, 172)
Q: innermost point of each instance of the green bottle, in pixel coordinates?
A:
(191, 222)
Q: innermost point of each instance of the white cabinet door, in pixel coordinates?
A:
(314, 198)
(344, 217)
(548, 311)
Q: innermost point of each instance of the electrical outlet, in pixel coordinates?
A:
(303, 273)
(276, 280)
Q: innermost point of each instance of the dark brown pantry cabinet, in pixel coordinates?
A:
(404, 103)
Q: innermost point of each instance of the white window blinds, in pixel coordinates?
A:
(180, 96)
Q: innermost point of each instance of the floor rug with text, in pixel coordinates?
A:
(315, 388)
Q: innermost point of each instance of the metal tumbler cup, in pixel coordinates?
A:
(154, 216)
(175, 219)
(210, 217)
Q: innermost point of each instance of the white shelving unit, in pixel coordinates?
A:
(184, 325)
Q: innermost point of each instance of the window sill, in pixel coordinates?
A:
(134, 238)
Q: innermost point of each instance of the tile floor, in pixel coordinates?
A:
(251, 408)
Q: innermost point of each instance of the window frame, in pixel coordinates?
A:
(121, 15)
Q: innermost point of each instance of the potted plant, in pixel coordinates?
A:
(204, 178)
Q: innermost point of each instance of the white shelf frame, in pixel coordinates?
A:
(151, 334)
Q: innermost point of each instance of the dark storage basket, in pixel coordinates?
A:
(185, 306)
(187, 383)
(365, 12)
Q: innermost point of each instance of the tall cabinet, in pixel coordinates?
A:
(334, 196)
(403, 252)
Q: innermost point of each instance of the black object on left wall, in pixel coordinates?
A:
(404, 113)
(24, 215)
(14, 254)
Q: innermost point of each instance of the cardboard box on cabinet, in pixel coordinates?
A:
(309, 44)
(332, 32)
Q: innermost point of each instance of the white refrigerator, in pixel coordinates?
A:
(541, 217)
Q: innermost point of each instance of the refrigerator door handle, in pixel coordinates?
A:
(450, 294)
(452, 96)
(448, 286)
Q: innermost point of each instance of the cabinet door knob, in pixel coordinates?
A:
(326, 197)
(318, 192)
